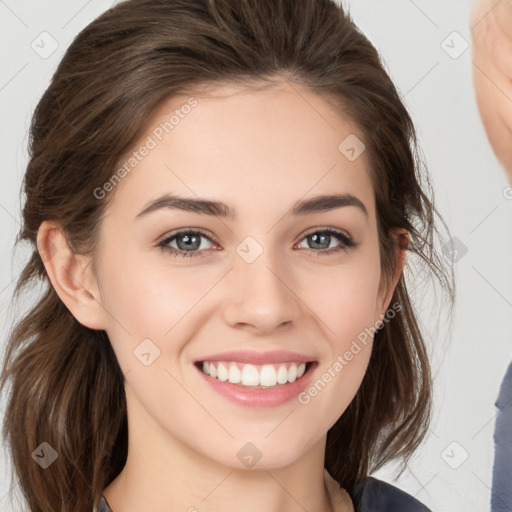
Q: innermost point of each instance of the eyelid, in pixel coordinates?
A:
(346, 241)
(206, 234)
(336, 231)
(180, 231)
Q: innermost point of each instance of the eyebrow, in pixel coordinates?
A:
(222, 210)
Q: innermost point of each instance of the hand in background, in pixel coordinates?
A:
(491, 31)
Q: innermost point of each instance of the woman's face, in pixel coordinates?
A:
(261, 286)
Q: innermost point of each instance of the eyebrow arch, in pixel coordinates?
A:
(222, 210)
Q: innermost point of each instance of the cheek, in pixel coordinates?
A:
(348, 314)
(350, 317)
(154, 303)
(345, 298)
(348, 308)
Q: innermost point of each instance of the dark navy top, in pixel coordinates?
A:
(102, 506)
(501, 495)
(371, 495)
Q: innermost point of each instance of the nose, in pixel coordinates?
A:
(261, 295)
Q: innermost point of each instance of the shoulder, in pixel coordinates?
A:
(506, 390)
(373, 495)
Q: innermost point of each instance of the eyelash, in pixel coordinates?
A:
(346, 243)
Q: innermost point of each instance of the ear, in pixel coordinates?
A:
(71, 276)
(387, 286)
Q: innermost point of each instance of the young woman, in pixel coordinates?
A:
(220, 197)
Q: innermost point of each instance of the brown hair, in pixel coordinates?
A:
(67, 388)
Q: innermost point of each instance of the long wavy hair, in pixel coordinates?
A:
(65, 385)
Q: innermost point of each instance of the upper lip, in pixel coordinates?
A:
(253, 357)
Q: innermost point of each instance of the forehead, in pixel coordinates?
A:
(250, 148)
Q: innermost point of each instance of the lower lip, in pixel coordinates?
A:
(270, 397)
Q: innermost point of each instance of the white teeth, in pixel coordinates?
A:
(282, 375)
(235, 375)
(292, 373)
(250, 375)
(267, 375)
(222, 372)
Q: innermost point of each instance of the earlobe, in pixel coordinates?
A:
(71, 276)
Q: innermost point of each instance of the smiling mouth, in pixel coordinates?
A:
(253, 376)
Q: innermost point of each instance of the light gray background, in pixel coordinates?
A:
(470, 356)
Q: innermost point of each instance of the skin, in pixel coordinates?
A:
(491, 31)
(260, 152)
